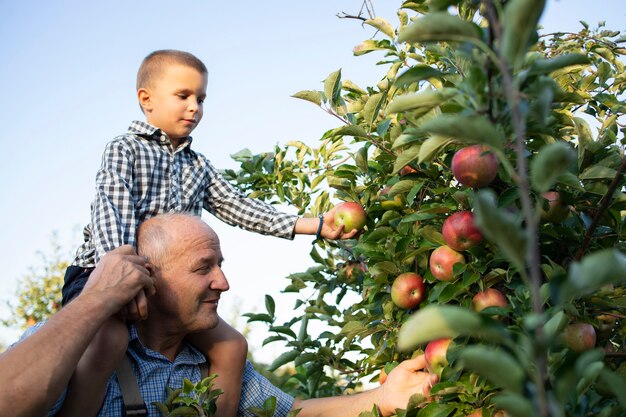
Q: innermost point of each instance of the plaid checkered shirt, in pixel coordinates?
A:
(141, 176)
(155, 372)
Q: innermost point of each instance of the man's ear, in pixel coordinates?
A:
(145, 100)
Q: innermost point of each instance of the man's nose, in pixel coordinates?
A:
(219, 281)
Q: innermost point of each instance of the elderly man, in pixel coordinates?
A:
(186, 257)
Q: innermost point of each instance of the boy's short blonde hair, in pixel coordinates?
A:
(153, 63)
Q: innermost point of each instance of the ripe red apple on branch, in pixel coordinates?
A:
(407, 290)
(489, 298)
(474, 166)
(460, 232)
(557, 211)
(579, 337)
(435, 355)
(351, 215)
(442, 261)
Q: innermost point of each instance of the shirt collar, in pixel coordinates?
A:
(138, 127)
(188, 355)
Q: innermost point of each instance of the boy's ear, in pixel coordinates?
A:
(144, 98)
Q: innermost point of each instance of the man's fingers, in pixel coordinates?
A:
(124, 250)
(415, 364)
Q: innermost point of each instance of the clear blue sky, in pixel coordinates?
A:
(67, 73)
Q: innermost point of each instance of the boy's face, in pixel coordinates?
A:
(173, 102)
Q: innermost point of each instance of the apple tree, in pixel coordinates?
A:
(38, 293)
(548, 107)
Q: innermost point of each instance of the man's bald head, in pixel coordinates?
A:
(157, 237)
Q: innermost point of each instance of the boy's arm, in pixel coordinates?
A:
(113, 216)
(234, 208)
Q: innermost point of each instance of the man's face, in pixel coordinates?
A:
(191, 282)
(173, 102)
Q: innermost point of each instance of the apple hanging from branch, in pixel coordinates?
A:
(474, 166)
(407, 290)
(460, 232)
(442, 261)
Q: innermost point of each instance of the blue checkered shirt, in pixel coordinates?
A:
(141, 176)
(155, 372)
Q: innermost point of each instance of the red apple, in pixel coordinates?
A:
(460, 232)
(407, 290)
(557, 210)
(489, 298)
(579, 337)
(406, 170)
(435, 355)
(442, 261)
(351, 215)
(474, 166)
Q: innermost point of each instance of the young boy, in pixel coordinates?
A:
(151, 170)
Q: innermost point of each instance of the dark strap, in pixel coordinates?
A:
(131, 397)
(204, 370)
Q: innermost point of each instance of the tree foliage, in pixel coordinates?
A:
(551, 107)
(38, 293)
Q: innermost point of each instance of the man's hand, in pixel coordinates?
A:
(333, 232)
(122, 276)
(403, 381)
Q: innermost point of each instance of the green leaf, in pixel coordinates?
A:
(616, 384)
(350, 130)
(494, 364)
(515, 404)
(283, 359)
(438, 26)
(439, 321)
(368, 46)
(332, 87)
(270, 305)
(424, 100)
(547, 65)
(431, 147)
(382, 25)
(309, 95)
(592, 272)
(552, 160)
(468, 129)
(595, 172)
(500, 227)
(401, 187)
(406, 157)
(416, 74)
(372, 108)
(360, 158)
(520, 23)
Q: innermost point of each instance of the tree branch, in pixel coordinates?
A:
(602, 207)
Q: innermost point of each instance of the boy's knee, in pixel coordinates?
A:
(111, 341)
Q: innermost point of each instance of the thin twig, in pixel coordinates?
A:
(602, 207)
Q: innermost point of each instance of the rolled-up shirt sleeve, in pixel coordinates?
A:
(256, 389)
